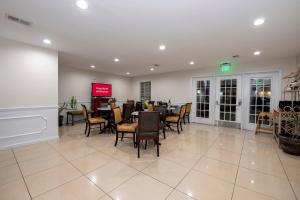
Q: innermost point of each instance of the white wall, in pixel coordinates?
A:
(77, 82)
(178, 85)
(29, 93)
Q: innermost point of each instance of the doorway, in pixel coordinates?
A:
(235, 100)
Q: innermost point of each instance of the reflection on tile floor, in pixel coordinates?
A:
(204, 162)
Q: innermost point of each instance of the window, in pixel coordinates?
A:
(260, 97)
(228, 95)
(145, 90)
(203, 90)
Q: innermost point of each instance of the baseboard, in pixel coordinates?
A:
(28, 142)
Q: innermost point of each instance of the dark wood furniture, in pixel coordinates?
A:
(106, 113)
(96, 103)
(163, 114)
(148, 129)
(139, 106)
(122, 127)
(89, 122)
(176, 119)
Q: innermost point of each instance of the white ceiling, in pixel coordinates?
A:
(206, 31)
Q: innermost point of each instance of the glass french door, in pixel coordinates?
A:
(238, 99)
(203, 100)
(228, 99)
(262, 93)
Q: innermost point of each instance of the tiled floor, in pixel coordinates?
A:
(204, 162)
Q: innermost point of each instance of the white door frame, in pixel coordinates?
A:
(211, 119)
(239, 97)
(275, 93)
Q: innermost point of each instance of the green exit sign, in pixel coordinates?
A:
(226, 67)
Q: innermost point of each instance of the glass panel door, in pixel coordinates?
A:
(228, 95)
(260, 97)
(202, 104)
(261, 93)
(203, 100)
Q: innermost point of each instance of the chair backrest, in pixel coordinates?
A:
(85, 113)
(182, 111)
(162, 111)
(117, 115)
(163, 103)
(139, 106)
(150, 107)
(127, 110)
(148, 122)
(188, 108)
(130, 102)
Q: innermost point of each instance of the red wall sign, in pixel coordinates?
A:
(101, 90)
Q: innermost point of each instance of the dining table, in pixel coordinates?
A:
(106, 112)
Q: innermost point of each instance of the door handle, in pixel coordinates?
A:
(239, 103)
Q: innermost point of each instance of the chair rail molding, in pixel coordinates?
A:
(26, 125)
(22, 118)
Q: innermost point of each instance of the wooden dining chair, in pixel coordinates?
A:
(176, 119)
(90, 122)
(187, 112)
(163, 113)
(123, 127)
(148, 129)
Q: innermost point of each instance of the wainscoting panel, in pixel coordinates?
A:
(20, 126)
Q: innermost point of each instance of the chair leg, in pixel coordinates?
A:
(122, 136)
(157, 147)
(86, 126)
(117, 137)
(134, 143)
(189, 118)
(164, 131)
(181, 125)
(178, 128)
(184, 119)
(138, 147)
(146, 142)
(89, 131)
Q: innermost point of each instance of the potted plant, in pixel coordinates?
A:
(146, 104)
(73, 103)
(112, 102)
(60, 116)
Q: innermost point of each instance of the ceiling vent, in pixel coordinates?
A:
(17, 20)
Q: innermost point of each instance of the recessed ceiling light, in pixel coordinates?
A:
(82, 4)
(151, 69)
(192, 63)
(127, 73)
(46, 41)
(116, 60)
(162, 47)
(93, 66)
(256, 53)
(259, 22)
